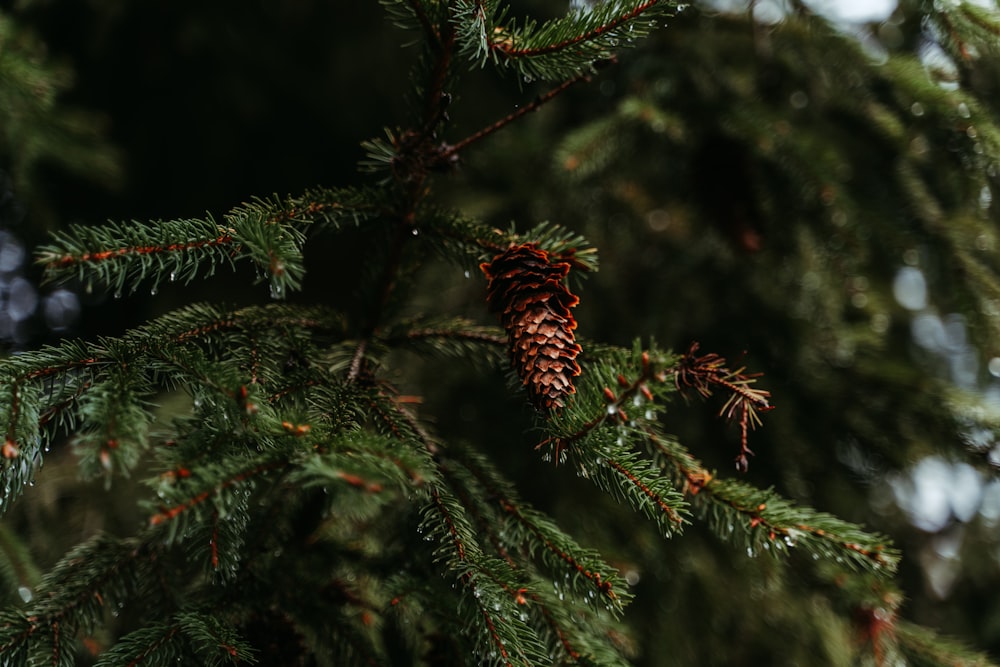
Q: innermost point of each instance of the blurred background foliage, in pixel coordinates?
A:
(810, 196)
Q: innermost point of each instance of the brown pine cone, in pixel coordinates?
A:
(526, 289)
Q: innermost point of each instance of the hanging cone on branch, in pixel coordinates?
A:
(526, 289)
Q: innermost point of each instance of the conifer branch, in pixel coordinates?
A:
(531, 531)
(563, 244)
(18, 571)
(484, 335)
(476, 497)
(507, 48)
(186, 634)
(771, 523)
(556, 49)
(267, 232)
(925, 648)
(115, 416)
(38, 386)
(623, 474)
(99, 572)
(458, 338)
(435, 100)
(167, 514)
(744, 403)
(105, 385)
(596, 433)
(488, 581)
(399, 422)
(599, 447)
(534, 105)
(432, 34)
(148, 645)
(368, 463)
(468, 242)
(635, 392)
(417, 15)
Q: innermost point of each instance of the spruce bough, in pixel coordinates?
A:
(302, 511)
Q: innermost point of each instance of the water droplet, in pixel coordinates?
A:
(276, 291)
(963, 110)
(118, 293)
(153, 290)
(173, 276)
(416, 232)
(917, 109)
(25, 593)
(467, 273)
(994, 367)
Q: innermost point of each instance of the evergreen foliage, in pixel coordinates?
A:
(35, 129)
(302, 508)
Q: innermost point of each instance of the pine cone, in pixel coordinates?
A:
(526, 289)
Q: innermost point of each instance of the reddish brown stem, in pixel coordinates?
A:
(454, 149)
(168, 513)
(509, 51)
(104, 255)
